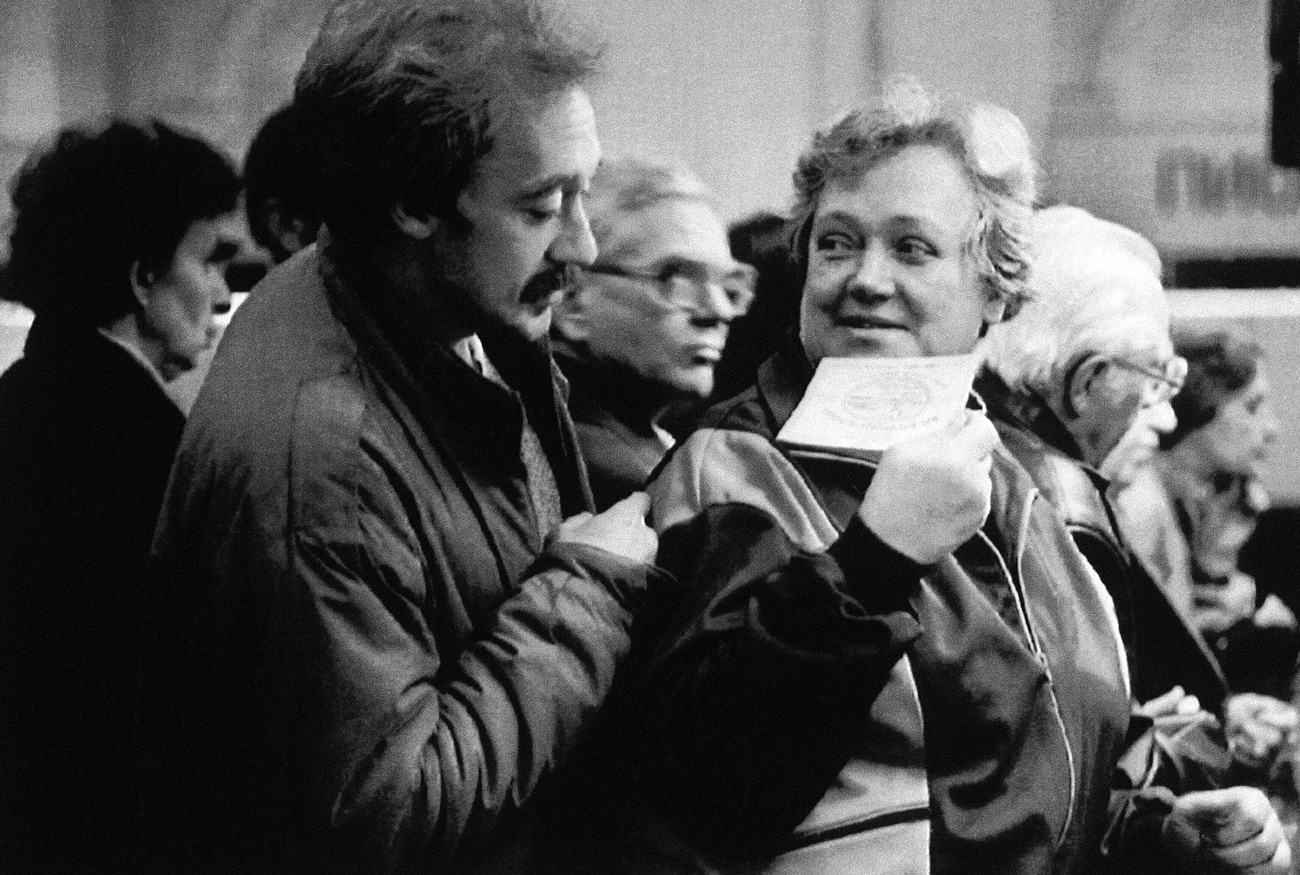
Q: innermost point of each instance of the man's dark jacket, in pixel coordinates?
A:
(1164, 651)
(360, 656)
(614, 411)
(87, 437)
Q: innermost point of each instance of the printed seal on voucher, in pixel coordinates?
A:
(909, 403)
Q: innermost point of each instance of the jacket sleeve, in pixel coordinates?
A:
(416, 753)
(1132, 844)
(752, 698)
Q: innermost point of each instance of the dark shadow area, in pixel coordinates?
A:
(1270, 555)
(1235, 273)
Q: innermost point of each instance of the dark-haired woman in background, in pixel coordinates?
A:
(119, 244)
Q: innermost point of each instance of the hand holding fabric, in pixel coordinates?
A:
(619, 529)
(1230, 830)
(1177, 702)
(1259, 728)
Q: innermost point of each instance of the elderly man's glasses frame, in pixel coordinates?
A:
(686, 289)
(1168, 381)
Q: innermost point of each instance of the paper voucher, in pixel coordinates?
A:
(862, 406)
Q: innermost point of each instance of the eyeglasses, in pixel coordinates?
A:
(1168, 381)
(690, 288)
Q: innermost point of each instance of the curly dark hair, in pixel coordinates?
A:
(278, 177)
(1219, 365)
(394, 98)
(97, 200)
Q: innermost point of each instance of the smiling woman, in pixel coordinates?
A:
(889, 271)
(876, 654)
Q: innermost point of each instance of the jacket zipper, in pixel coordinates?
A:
(1022, 611)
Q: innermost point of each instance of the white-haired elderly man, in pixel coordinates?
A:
(641, 331)
(1087, 362)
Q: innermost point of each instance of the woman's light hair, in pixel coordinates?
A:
(990, 143)
(1095, 289)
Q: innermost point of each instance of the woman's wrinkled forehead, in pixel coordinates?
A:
(921, 187)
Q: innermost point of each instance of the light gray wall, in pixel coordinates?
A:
(1107, 88)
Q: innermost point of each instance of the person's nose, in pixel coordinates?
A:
(576, 244)
(1161, 417)
(220, 297)
(873, 276)
(713, 308)
(1271, 424)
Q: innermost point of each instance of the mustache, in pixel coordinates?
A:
(547, 283)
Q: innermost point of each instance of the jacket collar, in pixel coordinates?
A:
(611, 388)
(80, 350)
(783, 379)
(1034, 436)
(1029, 412)
(483, 418)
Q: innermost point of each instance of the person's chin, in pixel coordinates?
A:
(176, 367)
(874, 343)
(691, 381)
(531, 322)
(1127, 469)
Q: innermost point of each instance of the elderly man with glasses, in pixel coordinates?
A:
(641, 331)
(1087, 367)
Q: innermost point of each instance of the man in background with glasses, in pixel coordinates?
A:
(641, 331)
(1081, 379)
(1079, 388)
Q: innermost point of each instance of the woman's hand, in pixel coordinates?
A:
(1230, 830)
(1259, 728)
(930, 495)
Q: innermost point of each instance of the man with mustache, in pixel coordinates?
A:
(643, 328)
(380, 611)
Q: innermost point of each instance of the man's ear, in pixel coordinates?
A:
(142, 282)
(1084, 380)
(569, 315)
(418, 224)
(285, 227)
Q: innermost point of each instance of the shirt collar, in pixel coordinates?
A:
(140, 358)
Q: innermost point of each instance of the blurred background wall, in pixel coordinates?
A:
(1154, 113)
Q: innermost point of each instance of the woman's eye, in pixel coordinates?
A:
(835, 244)
(914, 248)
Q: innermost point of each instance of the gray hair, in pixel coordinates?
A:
(990, 143)
(625, 185)
(1096, 289)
